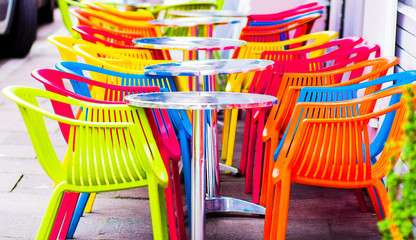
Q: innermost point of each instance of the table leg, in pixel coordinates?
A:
(198, 175)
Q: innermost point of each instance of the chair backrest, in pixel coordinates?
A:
(66, 17)
(279, 116)
(132, 15)
(126, 144)
(316, 148)
(66, 45)
(111, 93)
(333, 47)
(179, 118)
(254, 50)
(281, 32)
(112, 40)
(286, 20)
(132, 60)
(162, 11)
(301, 9)
(120, 26)
(95, 35)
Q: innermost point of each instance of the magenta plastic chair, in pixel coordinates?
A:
(93, 91)
(252, 164)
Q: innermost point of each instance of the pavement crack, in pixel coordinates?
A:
(15, 185)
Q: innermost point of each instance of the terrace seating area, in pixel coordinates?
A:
(147, 125)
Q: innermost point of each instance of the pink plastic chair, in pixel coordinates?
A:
(301, 9)
(93, 91)
(255, 119)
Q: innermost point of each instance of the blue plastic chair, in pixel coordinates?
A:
(179, 118)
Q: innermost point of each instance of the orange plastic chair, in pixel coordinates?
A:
(279, 117)
(123, 27)
(281, 32)
(314, 152)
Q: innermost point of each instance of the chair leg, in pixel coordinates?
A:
(250, 157)
(178, 200)
(271, 191)
(380, 199)
(361, 201)
(157, 210)
(50, 214)
(186, 160)
(265, 170)
(170, 205)
(246, 137)
(68, 217)
(90, 202)
(258, 160)
(267, 173)
(281, 209)
(60, 216)
(231, 137)
(225, 132)
(79, 210)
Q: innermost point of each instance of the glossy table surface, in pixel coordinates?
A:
(205, 13)
(200, 100)
(188, 43)
(208, 67)
(197, 21)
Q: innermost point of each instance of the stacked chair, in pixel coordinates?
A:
(327, 91)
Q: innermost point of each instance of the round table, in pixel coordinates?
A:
(207, 23)
(205, 68)
(205, 201)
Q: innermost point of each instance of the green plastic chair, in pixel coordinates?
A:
(102, 155)
(66, 18)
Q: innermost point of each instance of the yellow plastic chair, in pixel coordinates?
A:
(242, 82)
(128, 156)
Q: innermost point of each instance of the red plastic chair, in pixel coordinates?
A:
(301, 9)
(93, 91)
(281, 32)
(315, 152)
(113, 40)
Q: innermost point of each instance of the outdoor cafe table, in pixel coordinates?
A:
(202, 151)
(189, 45)
(194, 24)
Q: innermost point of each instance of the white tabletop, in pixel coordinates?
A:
(188, 43)
(200, 100)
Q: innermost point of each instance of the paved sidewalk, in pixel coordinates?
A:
(314, 213)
